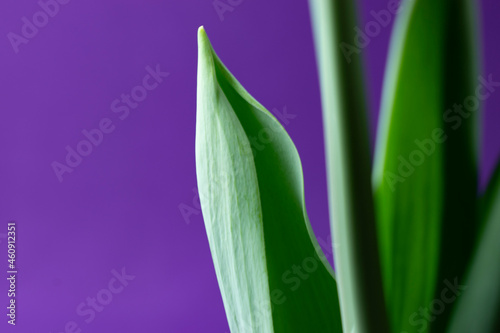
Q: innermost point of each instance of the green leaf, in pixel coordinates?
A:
(478, 307)
(460, 223)
(352, 213)
(408, 173)
(425, 174)
(271, 272)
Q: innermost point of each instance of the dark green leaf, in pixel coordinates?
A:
(460, 225)
(478, 307)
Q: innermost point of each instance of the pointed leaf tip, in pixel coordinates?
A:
(201, 32)
(203, 41)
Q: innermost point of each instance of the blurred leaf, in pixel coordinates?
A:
(478, 308)
(408, 173)
(460, 225)
(264, 251)
(352, 216)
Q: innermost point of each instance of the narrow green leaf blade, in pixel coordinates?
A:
(271, 272)
(478, 307)
(408, 179)
(460, 224)
(221, 161)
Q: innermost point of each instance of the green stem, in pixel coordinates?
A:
(349, 168)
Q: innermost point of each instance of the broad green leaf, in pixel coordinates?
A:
(408, 173)
(272, 274)
(478, 306)
(349, 169)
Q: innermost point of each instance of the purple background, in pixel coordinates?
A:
(120, 206)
